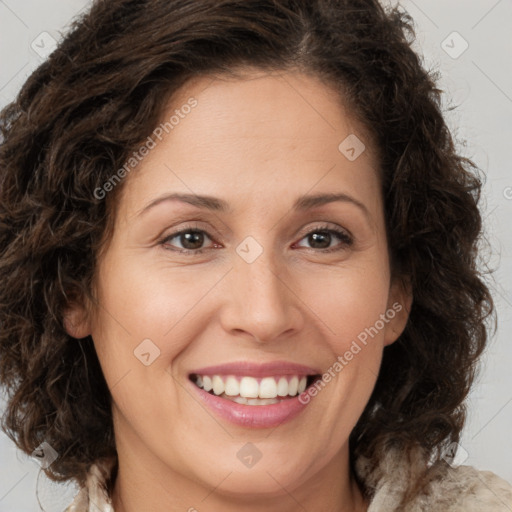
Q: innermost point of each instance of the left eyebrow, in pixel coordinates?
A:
(307, 202)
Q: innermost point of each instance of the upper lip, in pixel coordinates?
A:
(247, 368)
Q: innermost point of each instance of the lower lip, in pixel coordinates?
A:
(253, 416)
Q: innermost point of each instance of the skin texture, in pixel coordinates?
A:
(258, 143)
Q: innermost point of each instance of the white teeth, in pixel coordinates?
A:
(207, 383)
(232, 386)
(253, 401)
(282, 387)
(250, 391)
(218, 385)
(293, 385)
(302, 385)
(265, 401)
(268, 388)
(249, 387)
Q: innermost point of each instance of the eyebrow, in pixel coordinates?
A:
(303, 203)
(205, 202)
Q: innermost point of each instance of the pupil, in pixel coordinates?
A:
(190, 238)
(321, 235)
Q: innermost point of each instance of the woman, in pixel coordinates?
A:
(239, 264)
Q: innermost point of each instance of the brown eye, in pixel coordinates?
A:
(190, 240)
(321, 239)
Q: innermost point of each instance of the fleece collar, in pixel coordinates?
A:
(443, 488)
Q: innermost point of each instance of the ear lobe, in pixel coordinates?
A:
(399, 303)
(76, 323)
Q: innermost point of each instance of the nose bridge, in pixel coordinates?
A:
(261, 302)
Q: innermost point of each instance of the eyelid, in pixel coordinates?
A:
(325, 225)
(194, 225)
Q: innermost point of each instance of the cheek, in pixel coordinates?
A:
(349, 303)
(137, 336)
(141, 303)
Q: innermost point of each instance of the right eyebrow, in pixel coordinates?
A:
(206, 202)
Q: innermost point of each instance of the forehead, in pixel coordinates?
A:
(245, 136)
(264, 104)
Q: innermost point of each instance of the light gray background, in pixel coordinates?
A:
(479, 80)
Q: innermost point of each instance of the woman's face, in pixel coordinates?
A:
(264, 284)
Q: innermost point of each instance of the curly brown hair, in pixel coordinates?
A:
(82, 113)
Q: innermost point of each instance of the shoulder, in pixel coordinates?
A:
(467, 489)
(443, 487)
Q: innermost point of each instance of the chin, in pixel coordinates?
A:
(267, 478)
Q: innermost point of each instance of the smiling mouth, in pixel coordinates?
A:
(247, 390)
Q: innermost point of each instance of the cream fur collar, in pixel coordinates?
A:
(446, 489)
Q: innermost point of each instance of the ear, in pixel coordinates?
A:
(76, 321)
(399, 306)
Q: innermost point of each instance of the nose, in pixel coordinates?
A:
(263, 304)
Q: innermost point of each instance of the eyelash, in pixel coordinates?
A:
(344, 237)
